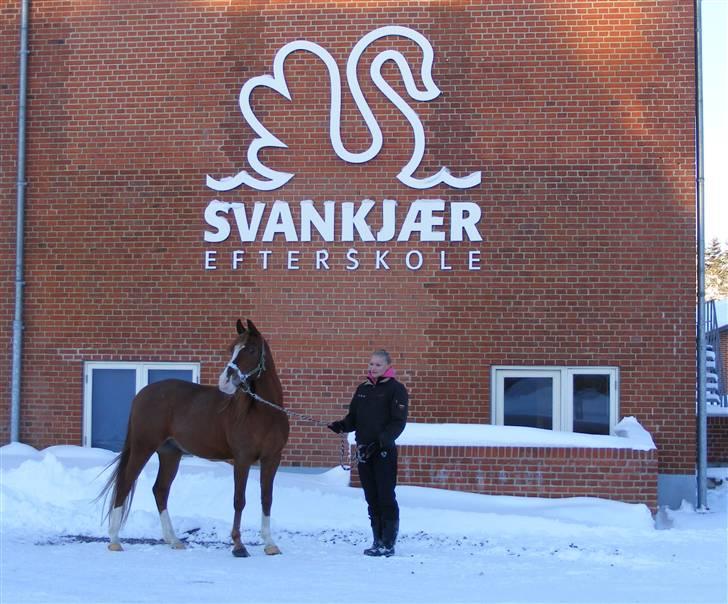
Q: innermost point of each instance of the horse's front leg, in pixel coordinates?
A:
(241, 479)
(268, 469)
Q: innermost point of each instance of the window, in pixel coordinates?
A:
(109, 389)
(569, 399)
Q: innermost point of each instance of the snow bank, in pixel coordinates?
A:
(629, 435)
(453, 546)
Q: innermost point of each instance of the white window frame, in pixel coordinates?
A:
(563, 392)
(142, 379)
(506, 372)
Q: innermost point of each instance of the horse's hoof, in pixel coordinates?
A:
(115, 547)
(271, 550)
(241, 552)
(177, 545)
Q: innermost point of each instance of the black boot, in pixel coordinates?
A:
(390, 529)
(376, 522)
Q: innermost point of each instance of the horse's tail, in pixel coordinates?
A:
(112, 484)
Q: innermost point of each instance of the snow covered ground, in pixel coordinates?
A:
(453, 547)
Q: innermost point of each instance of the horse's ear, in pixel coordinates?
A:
(252, 328)
(240, 328)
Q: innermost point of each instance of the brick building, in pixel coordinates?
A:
(556, 265)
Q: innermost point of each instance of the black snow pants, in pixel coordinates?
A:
(378, 477)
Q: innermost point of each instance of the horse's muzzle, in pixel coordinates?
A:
(225, 381)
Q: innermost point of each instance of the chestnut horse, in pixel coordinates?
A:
(173, 417)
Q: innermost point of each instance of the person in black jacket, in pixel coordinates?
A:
(378, 414)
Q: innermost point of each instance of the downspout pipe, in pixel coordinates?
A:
(17, 356)
(702, 432)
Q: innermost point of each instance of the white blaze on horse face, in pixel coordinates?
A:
(225, 381)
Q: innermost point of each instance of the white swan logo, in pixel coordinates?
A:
(267, 179)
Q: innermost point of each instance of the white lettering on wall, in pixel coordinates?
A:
(421, 219)
(264, 255)
(464, 216)
(416, 264)
(217, 222)
(443, 264)
(280, 221)
(351, 220)
(424, 221)
(310, 217)
(293, 260)
(322, 257)
(386, 233)
(353, 259)
(351, 256)
(247, 230)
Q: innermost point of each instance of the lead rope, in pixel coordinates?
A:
(345, 453)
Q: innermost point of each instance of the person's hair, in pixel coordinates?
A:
(384, 354)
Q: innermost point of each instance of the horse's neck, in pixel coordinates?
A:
(269, 387)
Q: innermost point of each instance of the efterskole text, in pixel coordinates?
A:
(424, 221)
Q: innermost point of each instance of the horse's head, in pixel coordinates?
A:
(247, 361)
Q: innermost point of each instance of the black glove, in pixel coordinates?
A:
(385, 441)
(337, 427)
(364, 452)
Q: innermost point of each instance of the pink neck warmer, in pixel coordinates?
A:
(390, 373)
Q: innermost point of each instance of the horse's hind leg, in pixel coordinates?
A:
(169, 457)
(115, 518)
(268, 468)
(130, 466)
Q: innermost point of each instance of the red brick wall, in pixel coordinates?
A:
(619, 474)
(718, 439)
(580, 116)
